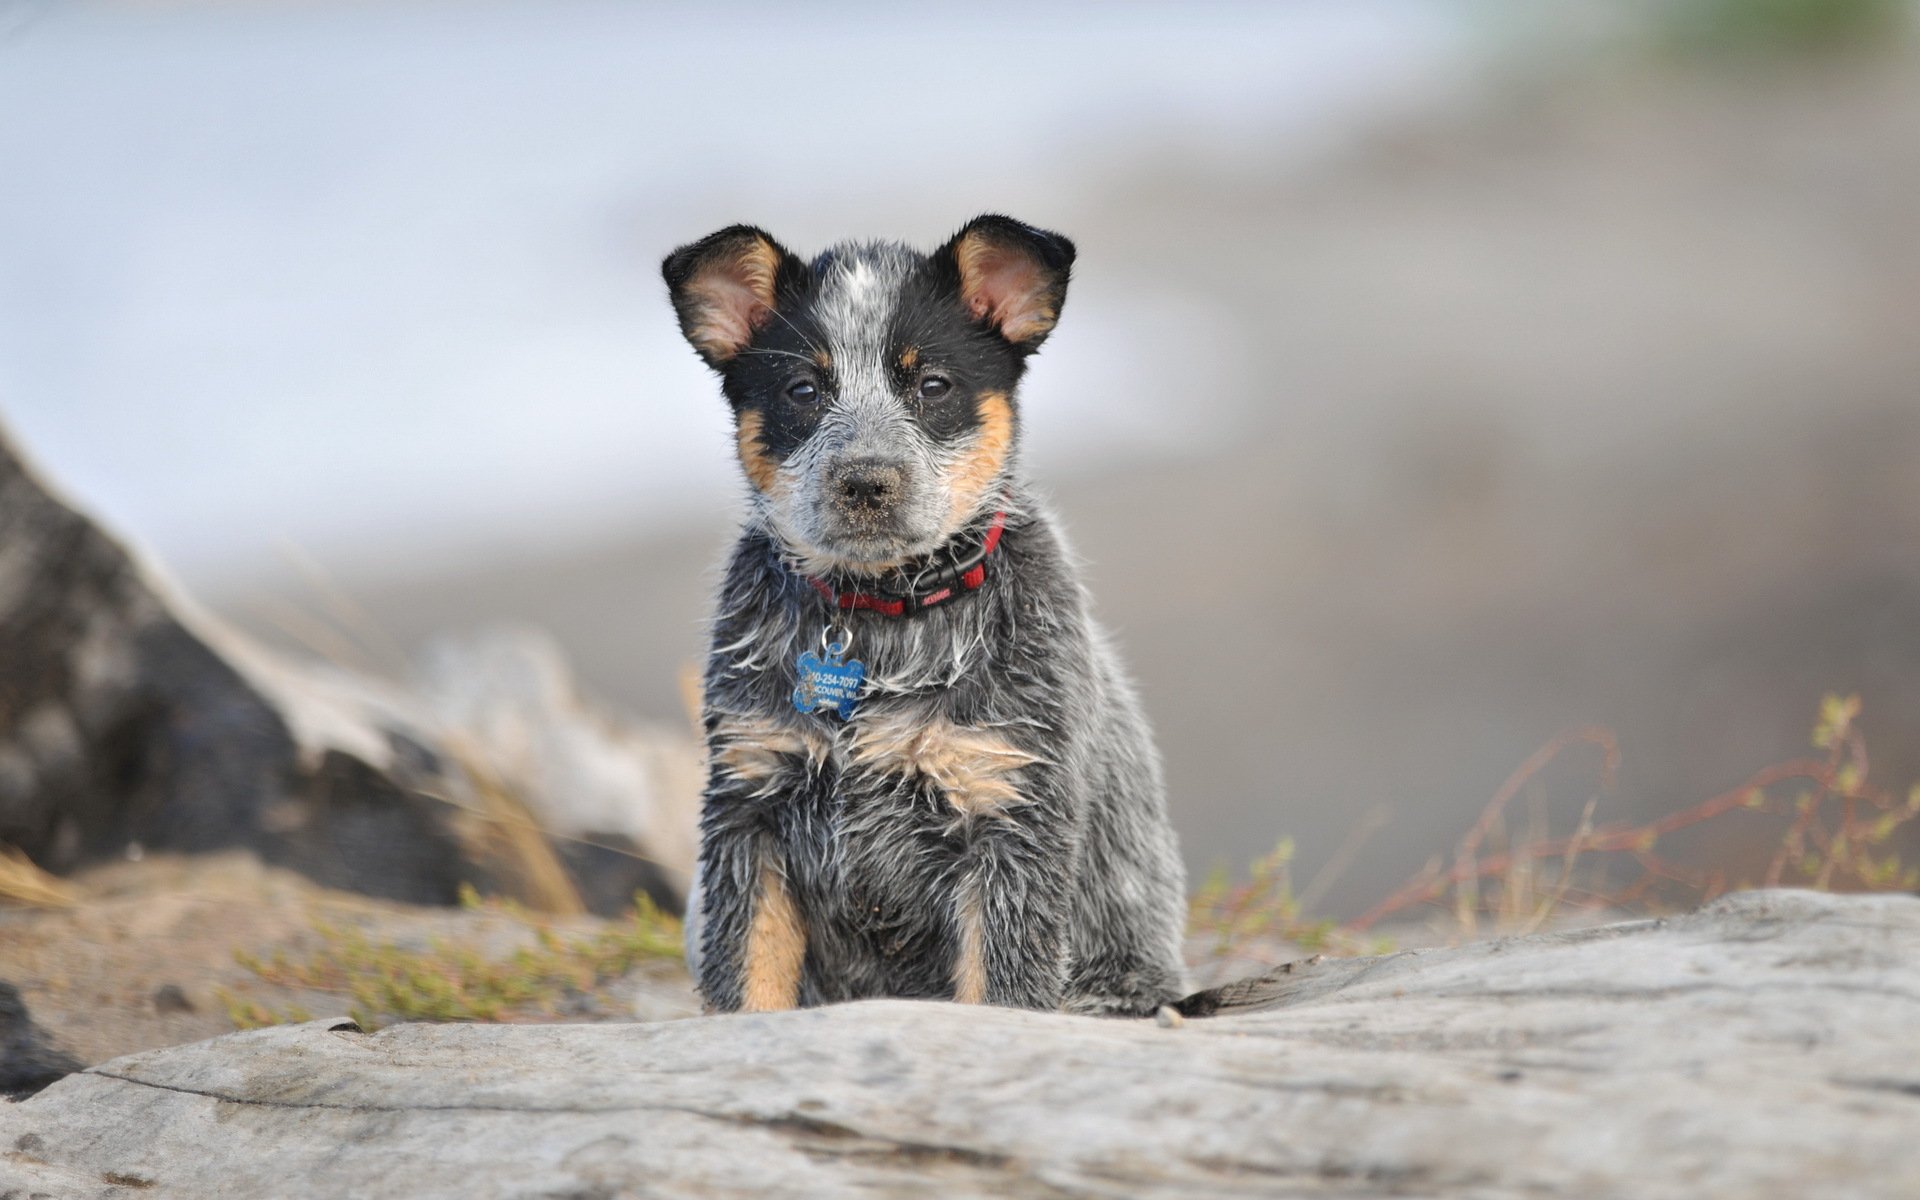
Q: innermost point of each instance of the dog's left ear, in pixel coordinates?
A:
(1010, 275)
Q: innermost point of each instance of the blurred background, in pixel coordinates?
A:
(1436, 375)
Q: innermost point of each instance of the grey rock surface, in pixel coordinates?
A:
(29, 1059)
(132, 720)
(1766, 1046)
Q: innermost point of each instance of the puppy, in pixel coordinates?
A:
(928, 776)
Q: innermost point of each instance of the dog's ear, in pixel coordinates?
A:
(725, 287)
(1012, 276)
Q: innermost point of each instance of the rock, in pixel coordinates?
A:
(131, 721)
(29, 1060)
(1762, 1047)
(608, 791)
(172, 998)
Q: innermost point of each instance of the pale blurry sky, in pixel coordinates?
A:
(380, 280)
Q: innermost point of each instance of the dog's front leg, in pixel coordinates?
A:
(1012, 906)
(753, 938)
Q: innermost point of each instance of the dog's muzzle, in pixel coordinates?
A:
(866, 490)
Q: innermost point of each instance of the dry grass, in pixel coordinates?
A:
(24, 883)
(449, 981)
(499, 832)
(1834, 822)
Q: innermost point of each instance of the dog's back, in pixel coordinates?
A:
(928, 776)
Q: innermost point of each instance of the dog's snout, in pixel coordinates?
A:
(868, 483)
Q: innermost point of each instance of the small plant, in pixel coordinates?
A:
(246, 1013)
(1836, 829)
(1234, 916)
(451, 982)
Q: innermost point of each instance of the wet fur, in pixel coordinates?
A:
(991, 825)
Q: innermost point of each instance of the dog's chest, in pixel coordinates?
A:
(896, 777)
(900, 765)
(903, 786)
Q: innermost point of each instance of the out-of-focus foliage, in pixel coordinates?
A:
(1783, 28)
(1230, 915)
(1836, 831)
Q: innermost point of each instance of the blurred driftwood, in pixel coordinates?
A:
(132, 720)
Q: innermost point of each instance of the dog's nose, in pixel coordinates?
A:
(868, 483)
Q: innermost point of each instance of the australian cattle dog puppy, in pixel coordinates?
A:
(928, 775)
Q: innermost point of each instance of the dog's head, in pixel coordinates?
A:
(873, 388)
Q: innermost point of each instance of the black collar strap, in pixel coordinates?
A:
(930, 589)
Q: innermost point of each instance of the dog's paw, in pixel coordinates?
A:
(1113, 989)
(1117, 1004)
(1112, 1007)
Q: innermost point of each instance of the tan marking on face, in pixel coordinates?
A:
(910, 358)
(733, 298)
(970, 963)
(1004, 287)
(980, 466)
(763, 470)
(776, 948)
(823, 360)
(762, 752)
(977, 770)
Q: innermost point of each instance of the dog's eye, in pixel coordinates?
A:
(935, 386)
(802, 391)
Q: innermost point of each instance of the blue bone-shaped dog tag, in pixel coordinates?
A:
(831, 682)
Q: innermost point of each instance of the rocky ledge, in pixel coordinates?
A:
(1764, 1046)
(132, 720)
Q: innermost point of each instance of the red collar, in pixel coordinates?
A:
(931, 589)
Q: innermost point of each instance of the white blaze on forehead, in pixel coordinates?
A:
(858, 296)
(860, 284)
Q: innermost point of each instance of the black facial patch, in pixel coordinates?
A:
(945, 341)
(791, 349)
(930, 334)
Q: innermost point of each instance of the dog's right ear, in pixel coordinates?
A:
(725, 287)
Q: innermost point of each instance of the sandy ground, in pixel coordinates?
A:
(143, 961)
(1591, 403)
